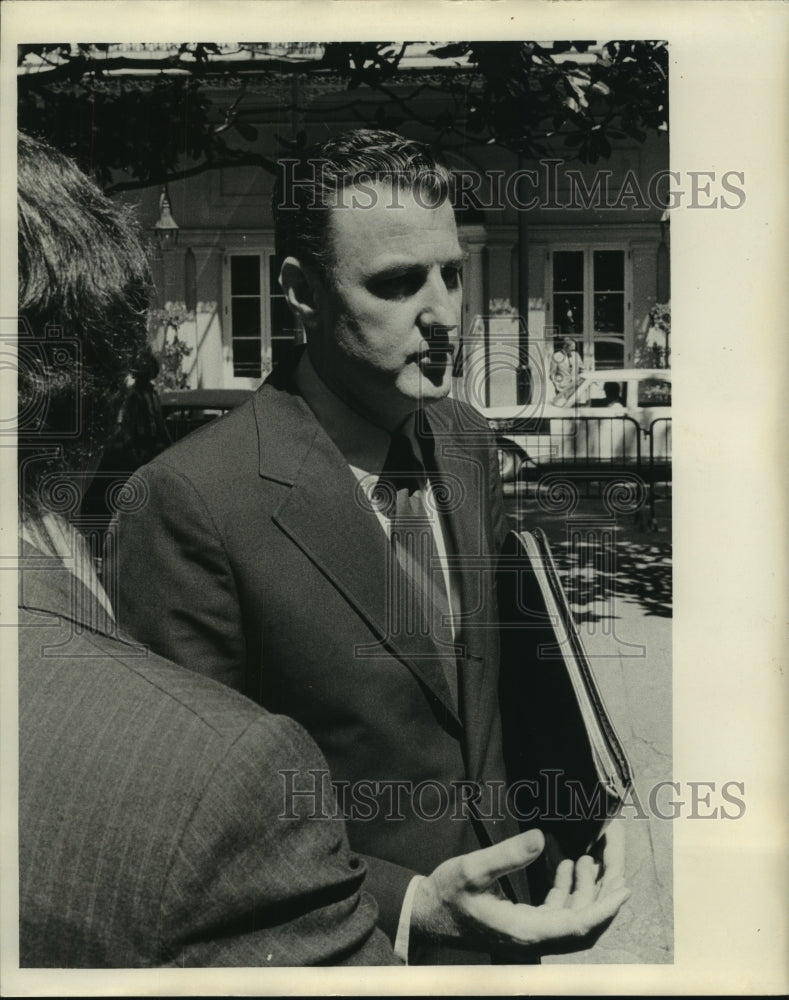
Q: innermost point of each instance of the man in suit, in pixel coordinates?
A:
(275, 552)
(154, 829)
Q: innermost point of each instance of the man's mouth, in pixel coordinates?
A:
(438, 355)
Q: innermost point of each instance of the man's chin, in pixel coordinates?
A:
(433, 389)
(435, 378)
(414, 390)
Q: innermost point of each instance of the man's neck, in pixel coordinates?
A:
(385, 422)
(363, 443)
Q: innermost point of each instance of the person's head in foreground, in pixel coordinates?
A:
(84, 282)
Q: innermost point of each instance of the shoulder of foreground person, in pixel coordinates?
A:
(153, 786)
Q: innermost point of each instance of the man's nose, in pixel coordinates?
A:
(439, 313)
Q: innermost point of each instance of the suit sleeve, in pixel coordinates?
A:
(261, 877)
(388, 883)
(170, 580)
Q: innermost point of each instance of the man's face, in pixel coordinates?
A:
(390, 303)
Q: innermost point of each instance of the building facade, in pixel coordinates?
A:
(590, 240)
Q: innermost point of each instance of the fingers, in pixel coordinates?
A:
(560, 927)
(482, 868)
(562, 886)
(586, 887)
(570, 924)
(575, 885)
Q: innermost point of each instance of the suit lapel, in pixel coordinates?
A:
(324, 514)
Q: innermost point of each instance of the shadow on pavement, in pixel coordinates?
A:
(600, 556)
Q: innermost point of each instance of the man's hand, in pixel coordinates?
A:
(462, 902)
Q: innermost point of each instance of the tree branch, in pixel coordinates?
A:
(243, 160)
(175, 64)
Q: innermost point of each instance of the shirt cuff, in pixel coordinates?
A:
(404, 925)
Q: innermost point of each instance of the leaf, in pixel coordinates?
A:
(453, 51)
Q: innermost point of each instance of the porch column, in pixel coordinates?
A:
(504, 348)
(204, 332)
(470, 382)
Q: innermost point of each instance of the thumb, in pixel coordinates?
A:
(482, 868)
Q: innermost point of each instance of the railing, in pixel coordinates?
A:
(609, 456)
(594, 441)
(659, 435)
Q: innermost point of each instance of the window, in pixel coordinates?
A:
(654, 392)
(568, 292)
(246, 315)
(589, 302)
(262, 330)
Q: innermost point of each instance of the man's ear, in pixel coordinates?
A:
(303, 290)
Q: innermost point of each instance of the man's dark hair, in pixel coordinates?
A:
(309, 186)
(84, 283)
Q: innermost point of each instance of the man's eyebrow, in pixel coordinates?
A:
(407, 265)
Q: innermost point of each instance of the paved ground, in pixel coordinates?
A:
(617, 571)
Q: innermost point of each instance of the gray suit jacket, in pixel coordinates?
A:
(250, 558)
(151, 812)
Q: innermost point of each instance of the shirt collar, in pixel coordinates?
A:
(52, 535)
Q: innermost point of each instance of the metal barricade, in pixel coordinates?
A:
(607, 456)
(659, 435)
(596, 441)
(592, 452)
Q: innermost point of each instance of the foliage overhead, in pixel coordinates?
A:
(157, 116)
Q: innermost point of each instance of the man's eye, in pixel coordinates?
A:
(399, 286)
(452, 276)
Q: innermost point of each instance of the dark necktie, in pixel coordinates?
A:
(419, 603)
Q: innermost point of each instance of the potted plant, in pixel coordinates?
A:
(174, 350)
(660, 330)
